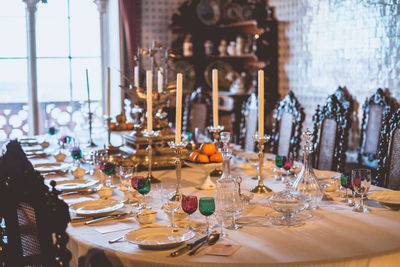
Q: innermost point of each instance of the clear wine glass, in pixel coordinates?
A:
(170, 203)
(125, 175)
(361, 182)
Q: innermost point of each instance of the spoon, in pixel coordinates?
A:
(211, 240)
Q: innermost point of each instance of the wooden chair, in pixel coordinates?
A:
(389, 154)
(286, 129)
(377, 110)
(198, 111)
(249, 122)
(331, 128)
(33, 219)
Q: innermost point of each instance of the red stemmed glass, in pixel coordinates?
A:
(189, 205)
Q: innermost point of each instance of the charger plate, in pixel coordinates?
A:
(159, 237)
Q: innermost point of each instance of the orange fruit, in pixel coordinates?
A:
(129, 125)
(217, 157)
(193, 155)
(113, 125)
(208, 149)
(203, 158)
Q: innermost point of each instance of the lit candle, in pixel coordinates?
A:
(108, 93)
(178, 121)
(149, 101)
(260, 103)
(160, 81)
(136, 76)
(215, 96)
(88, 90)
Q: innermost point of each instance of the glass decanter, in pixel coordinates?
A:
(228, 202)
(306, 181)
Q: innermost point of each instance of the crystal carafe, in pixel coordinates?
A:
(306, 181)
(228, 203)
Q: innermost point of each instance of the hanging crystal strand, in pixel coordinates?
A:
(306, 181)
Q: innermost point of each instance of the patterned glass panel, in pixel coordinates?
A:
(285, 132)
(394, 166)
(373, 129)
(327, 145)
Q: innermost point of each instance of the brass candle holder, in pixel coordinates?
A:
(178, 147)
(216, 132)
(260, 188)
(149, 149)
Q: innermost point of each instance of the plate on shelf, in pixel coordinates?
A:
(159, 237)
(390, 198)
(208, 12)
(232, 12)
(51, 167)
(75, 184)
(188, 72)
(225, 71)
(96, 207)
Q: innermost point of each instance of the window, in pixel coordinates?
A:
(67, 43)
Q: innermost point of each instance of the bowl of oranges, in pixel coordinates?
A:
(208, 158)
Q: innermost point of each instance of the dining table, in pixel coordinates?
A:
(334, 235)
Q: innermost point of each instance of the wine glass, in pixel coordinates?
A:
(189, 205)
(109, 171)
(171, 203)
(221, 218)
(125, 175)
(279, 162)
(361, 182)
(207, 208)
(143, 187)
(287, 165)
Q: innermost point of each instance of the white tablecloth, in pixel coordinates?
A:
(335, 236)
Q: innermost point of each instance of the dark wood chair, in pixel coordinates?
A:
(198, 111)
(389, 154)
(377, 110)
(286, 130)
(249, 122)
(33, 220)
(331, 128)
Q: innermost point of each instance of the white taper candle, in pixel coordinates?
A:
(261, 103)
(160, 81)
(215, 96)
(149, 101)
(108, 93)
(136, 76)
(178, 121)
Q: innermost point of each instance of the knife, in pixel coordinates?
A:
(188, 247)
(117, 216)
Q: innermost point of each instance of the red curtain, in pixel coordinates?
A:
(129, 25)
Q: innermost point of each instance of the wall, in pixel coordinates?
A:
(322, 44)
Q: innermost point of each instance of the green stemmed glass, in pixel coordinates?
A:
(109, 170)
(207, 208)
(143, 187)
(279, 162)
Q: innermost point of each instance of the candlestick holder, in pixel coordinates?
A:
(178, 147)
(91, 143)
(150, 136)
(216, 132)
(260, 188)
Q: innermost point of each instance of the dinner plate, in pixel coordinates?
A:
(324, 175)
(253, 156)
(51, 167)
(33, 149)
(391, 198)
(75, 184)
(96, 207)
(159, 237)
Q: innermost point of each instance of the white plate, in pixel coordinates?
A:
(96, 207)
(253, 156)
(75, 184)
(324, 175)
(386, 197)
(159, 237)
(51, 167)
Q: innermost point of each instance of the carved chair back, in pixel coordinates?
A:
(34, 220)
(286, 130)
(198, 111)
(331, 128)
(389, 154)
(248, 123)
(377, 110)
